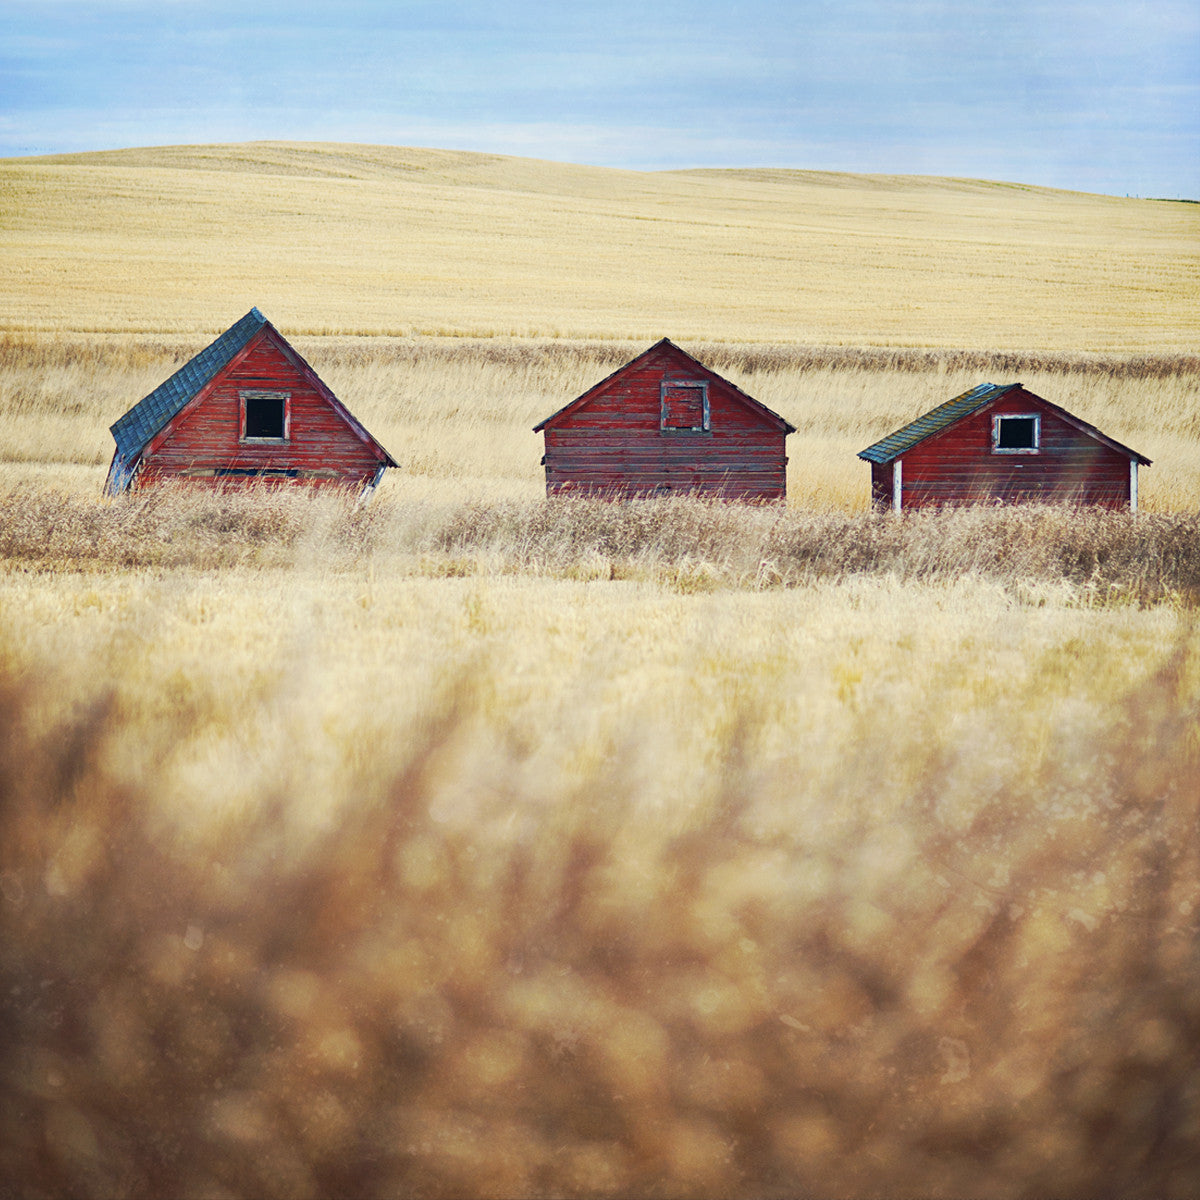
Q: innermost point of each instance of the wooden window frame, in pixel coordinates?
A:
(265, 394)
(1036, 448)
(706, 414)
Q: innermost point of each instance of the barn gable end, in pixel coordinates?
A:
(1001, 443)
(665, 423)
(246, 407)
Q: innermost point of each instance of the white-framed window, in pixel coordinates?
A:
(684, 406)
(265, 416)
(1016, 433)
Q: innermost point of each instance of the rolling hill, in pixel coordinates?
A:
(369, 239)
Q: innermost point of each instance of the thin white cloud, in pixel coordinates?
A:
(1003, 90)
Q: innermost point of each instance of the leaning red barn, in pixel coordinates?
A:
(664, 423)
(1001, 443)
(248, 407)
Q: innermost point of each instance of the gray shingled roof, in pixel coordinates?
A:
(152, 413)
(934, 421)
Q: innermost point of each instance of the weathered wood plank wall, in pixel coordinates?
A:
(959, 465)
(206, 438)
(615, 442)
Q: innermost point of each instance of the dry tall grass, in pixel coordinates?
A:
(323, 877)
(458, 415)
(386, 240)
(1095, 558)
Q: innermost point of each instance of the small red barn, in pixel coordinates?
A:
(1000, 442)
(248, 407)
(664, 423)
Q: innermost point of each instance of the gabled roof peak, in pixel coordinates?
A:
(665, 342)
(944, 415)
(153, 414)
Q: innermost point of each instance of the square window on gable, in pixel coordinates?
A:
(1017, 433)
(685, 406)
(264, 416)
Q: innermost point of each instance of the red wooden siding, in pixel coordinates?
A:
(958, 465)
(615, 442)
(205, 438)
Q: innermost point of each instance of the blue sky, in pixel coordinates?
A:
(1101, 96)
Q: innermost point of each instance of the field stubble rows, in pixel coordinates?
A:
(388, 240)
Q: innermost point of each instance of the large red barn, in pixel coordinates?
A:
(664, 423)
(1001, 443)
(247, 407)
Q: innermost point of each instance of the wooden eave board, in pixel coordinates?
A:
(322, 389)
(596, 389)
(1092, 431)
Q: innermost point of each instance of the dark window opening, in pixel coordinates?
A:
(266, 417)
(1015, 433)
(254, 472)
(685, 406)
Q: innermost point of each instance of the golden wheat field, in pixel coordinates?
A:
(469, 844)
(351, 239)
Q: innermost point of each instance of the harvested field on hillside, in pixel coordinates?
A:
(395, 241)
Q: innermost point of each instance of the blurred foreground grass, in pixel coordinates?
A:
(566, 850)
